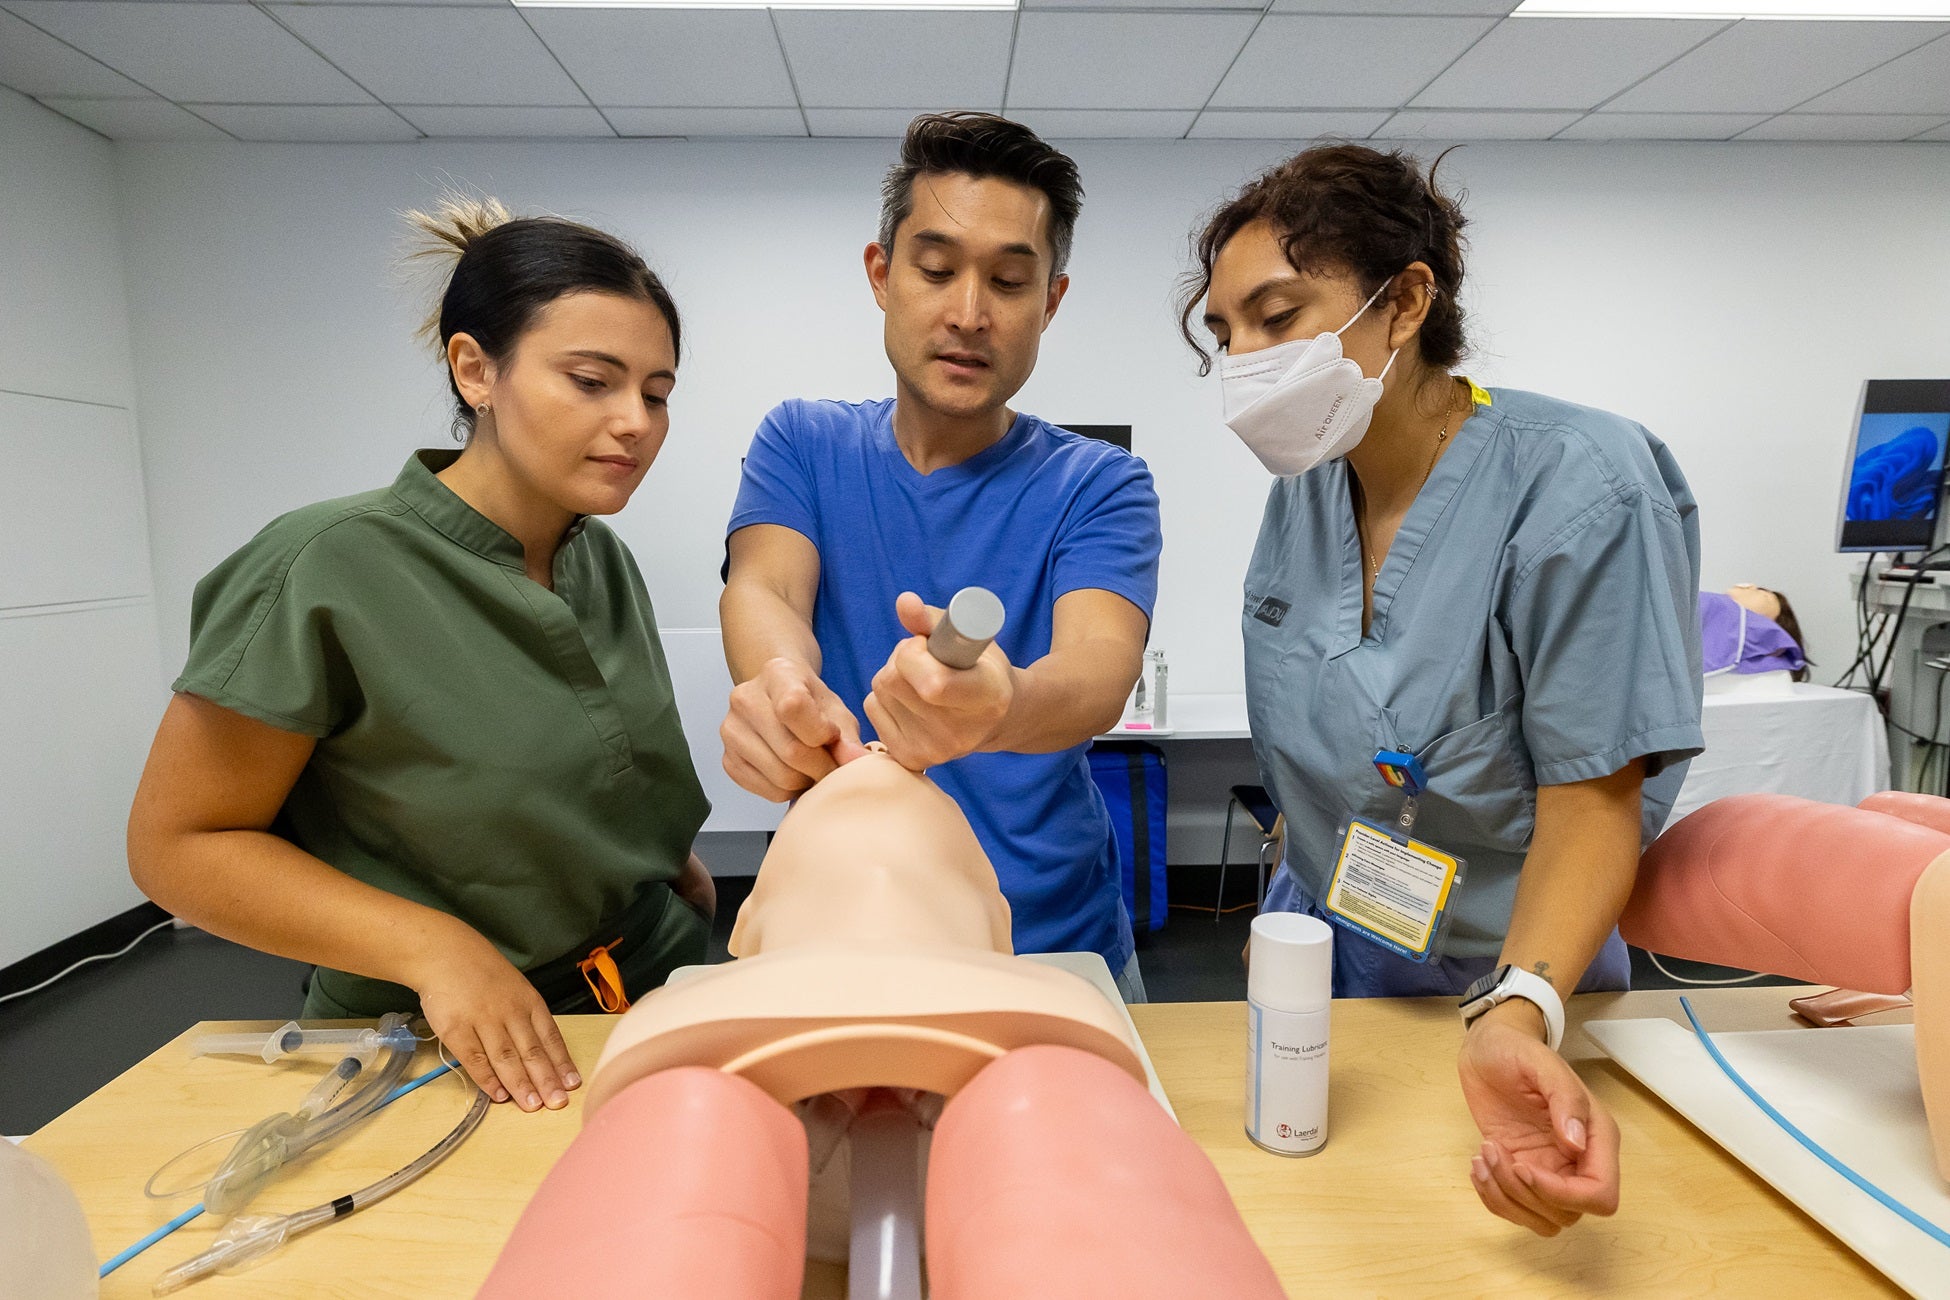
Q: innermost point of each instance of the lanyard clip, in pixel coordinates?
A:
(1402, 771)
(605, 980)
(1405, 821)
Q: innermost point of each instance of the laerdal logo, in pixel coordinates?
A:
(1271, 612)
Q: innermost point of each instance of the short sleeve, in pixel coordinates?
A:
(1605, 627)
(774, 486)
(262, 641)
(1111, 537)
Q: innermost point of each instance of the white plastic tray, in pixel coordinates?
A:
(1853, 1090)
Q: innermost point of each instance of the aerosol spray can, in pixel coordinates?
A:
(1289, 983)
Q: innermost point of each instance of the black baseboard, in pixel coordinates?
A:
(106, 937)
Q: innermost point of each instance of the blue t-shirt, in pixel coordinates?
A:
(1041, 513)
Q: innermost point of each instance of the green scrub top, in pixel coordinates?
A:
(505, 753)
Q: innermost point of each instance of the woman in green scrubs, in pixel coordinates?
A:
(426, 738)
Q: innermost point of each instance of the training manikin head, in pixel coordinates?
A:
(874, 951)
(872, 856)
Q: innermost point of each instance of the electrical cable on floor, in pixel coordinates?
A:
(100, 956)
(1881, 1197)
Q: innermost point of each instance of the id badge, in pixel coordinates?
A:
(1394, 891)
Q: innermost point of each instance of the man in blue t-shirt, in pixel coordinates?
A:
(856, 521)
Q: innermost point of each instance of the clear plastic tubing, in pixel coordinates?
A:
(884, 1262)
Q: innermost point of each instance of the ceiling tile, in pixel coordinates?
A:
(153, 118)
(1461, 124)
(1338, 62)
(1769, 67)
(680, 58)
(1285, 124)
(706, 121)
(360, 123)
(877, 123)
(885, 59)
(1462, 8)
(1844, 126)
(1106, 123)
(207, 53)
(1560, 62)
(521, 123)
(435, 56)
(1660, 126)
(35, 63)
(1118, 60)
(1190, 6)
(1918, 82)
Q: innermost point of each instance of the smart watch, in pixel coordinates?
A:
(1506, 982)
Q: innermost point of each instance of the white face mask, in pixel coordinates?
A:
(1301, 403)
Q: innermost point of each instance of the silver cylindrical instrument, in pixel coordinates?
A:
(970, 622)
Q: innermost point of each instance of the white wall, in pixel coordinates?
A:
(1732, 297)
(78, 688)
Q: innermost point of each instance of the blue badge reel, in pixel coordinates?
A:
(1386, 886)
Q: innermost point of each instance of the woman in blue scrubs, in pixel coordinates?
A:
(1499, 583)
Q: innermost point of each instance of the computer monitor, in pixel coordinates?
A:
(1894, 485)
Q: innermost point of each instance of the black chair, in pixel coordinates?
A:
(1258, 805)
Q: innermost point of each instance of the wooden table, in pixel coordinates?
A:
(1385, 1209)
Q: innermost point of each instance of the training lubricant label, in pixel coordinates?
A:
(1286, 1079)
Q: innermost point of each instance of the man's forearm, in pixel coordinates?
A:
(1065, 698)
(760, 625)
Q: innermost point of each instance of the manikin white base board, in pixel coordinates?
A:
(1853, 1090)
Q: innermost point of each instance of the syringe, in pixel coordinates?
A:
(293, 1038)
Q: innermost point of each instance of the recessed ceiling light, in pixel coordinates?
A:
(1804, 10)
(929, 6)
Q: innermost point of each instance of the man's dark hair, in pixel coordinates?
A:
(983, 145)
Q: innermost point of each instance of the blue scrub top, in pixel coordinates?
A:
(1037, 515)
(1535, 623)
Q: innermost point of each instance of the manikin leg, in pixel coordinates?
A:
(1054, 1173)
(689, 1183)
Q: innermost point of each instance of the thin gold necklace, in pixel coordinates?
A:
(1361, 515)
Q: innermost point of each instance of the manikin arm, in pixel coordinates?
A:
(1858, 897)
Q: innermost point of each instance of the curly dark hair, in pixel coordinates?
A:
(980, 145)
(1350, 209)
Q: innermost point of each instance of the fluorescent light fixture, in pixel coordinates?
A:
(1805, 10)
(922, 6)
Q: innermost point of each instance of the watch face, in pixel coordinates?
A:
(1484, 985)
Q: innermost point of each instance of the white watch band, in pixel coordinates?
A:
(1535, 989)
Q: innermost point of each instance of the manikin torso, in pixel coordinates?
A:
(874, 951)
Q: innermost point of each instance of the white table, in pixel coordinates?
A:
(1769, 737)
(1787, 738)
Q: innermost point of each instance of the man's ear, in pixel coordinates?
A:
(473, 368)
(1058, 286)
(878, 260)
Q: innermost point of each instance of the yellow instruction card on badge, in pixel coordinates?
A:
(1394, 890)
